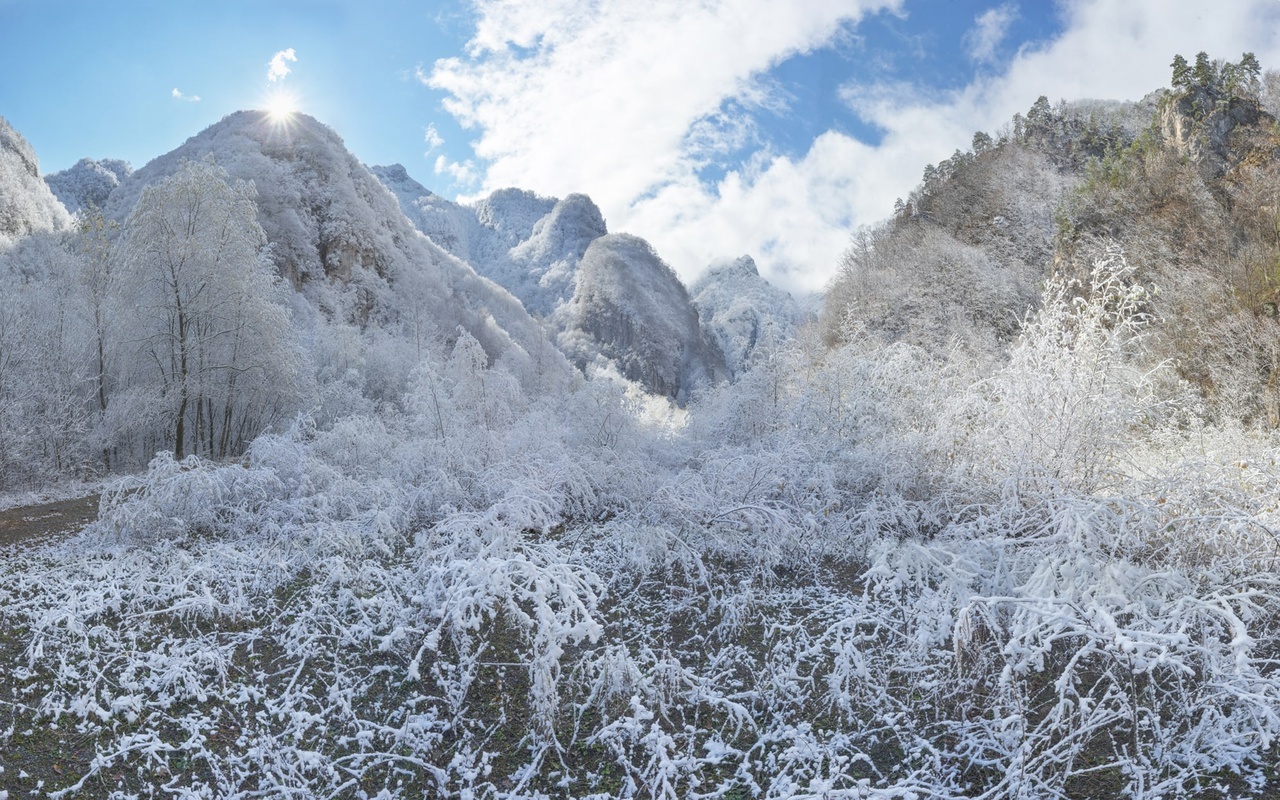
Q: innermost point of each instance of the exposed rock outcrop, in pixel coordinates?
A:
(1207, 125)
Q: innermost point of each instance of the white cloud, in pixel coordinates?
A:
(463, 174)
(989, 29)
(190, 98)
(277, 69)
(569, 95)
(591, 104)
(433, 139)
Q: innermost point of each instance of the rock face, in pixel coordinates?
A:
(88, 182)
(630, 308)
(1203, 124)
(739, 310)
(26, 204)
(339, 236)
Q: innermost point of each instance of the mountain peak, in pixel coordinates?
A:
(340, 238)
(740, 310)
(396, 178)
(743, 266)
(630, 308)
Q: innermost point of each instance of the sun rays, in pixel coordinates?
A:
(280, 106)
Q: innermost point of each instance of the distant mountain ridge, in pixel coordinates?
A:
(627, 307)
(373, 245)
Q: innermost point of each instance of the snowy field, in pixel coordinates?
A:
(862, 573)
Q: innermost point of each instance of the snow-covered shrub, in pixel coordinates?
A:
(1078, 392)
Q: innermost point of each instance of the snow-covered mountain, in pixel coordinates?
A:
(339, 236)
(631, 309)
(376, 246)
(739, 310)
(446, 223)
(26, 204)
(88, 182)
(627, 307)
(547, 261)
(527, 243)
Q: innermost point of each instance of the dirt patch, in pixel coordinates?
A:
(31, 525)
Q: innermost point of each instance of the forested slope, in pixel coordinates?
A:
(1182, 183)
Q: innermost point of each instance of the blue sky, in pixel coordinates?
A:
(713, 129)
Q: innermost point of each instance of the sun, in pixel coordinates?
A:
(280, 106)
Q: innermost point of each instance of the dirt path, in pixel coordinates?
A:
(29, 525)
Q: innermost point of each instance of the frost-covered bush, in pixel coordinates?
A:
(1079, 391)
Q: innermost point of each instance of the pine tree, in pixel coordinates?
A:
(1250, 72)
(1204, 74)
(1181, 73)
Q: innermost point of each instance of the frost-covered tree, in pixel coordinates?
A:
(46, 413)
(93, 274)
(212, 355)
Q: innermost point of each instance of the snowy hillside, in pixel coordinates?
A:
(333, 226)
(529, 244)
(444, 222)
(26, 204)
(88, 182)
(739, 310)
